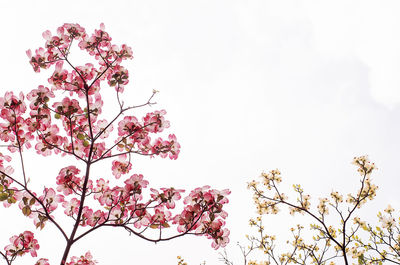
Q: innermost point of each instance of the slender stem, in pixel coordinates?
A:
(5, 257)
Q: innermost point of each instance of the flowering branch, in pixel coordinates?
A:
(79, 116)
(329, 242)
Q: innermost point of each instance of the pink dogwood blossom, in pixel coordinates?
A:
(42, 261)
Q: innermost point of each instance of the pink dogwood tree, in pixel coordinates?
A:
(66, 119)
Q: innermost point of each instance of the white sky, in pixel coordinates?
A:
(303, 86)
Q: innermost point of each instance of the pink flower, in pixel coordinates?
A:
(71, 207)
(97, 217)
(87, 215)
(2, 159)
(41, 59)
(40, 119)
(98, 148)
(117, 214)
(101, 187)
(164, 148)
(67, 107)
(128, 126)
(135, 183)
(195, 195)
(50, 199)
(75, 31)
(110, 197)
(167, 197)
(155, 122)
(42, 261)
(48, 140)
(221, 239)
(118, 77)
(121, 166)
(160, 217)
(39, 97)
(59, 77)
(12, 105)
(187, 219)
(104, 128)
(67, 180)
(141, 215)
(160, 147)
(174, 147)
(88, 72)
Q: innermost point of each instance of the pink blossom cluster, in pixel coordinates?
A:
(67, 180)
(125, 205)
(133, 134)
(82, 260)
(11, 110)
(204, 214)
(98, 44)
(22, 244)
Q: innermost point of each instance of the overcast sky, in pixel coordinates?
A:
(303, 86)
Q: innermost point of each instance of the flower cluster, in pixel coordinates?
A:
(22, 244)
(270, 178)
(338, 198)
(135, 135)
(322, 207)
(365, 166)
(57, 47)
(15, 128)
(368, 189)
(67, 180)
(87, 259)
(204, 206)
